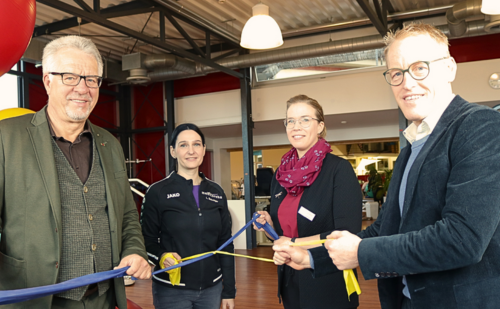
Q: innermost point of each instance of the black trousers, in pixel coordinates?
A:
(290, 290)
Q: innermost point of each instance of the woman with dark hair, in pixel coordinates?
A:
(313, 193)
(183, 215)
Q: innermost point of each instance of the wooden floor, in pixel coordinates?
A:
(256, 284)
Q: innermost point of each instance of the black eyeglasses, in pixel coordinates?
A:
(418, 70)
(304, 122)
(70, 79)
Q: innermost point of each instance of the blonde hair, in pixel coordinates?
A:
(416, 29)
(71, 41)
(301, 98)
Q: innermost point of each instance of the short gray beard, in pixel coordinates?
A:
(76, 115)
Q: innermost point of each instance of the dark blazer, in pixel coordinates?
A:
(447, 242)
(30, 207)
(335, 198)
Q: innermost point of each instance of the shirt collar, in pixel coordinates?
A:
(86, 129)
(414, 133)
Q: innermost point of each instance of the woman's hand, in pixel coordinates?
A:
(228, 303)
(264, 217)
(281, 257)
(169, 261)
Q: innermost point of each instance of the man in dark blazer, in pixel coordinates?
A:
(436, 242)
(66, 208)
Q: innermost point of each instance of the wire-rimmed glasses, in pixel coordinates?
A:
(304, 122)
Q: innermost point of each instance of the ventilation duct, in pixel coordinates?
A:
(493, 25)
(456, 16)
(176, 67)
(280, 55)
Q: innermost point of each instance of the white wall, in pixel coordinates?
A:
(338, 94)
(347, 92)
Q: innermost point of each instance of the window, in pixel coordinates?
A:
(320, 65)
(8, 88)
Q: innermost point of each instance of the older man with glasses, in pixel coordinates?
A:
(66, 209)
(436, 242)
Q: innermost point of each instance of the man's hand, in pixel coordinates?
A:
(228, 303)
(343, 249)
(139, 267)
(295, 257)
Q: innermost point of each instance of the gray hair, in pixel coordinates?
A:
(71, 41)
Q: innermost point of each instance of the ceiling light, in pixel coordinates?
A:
(261, 31)
(490, 7)
(343, 122)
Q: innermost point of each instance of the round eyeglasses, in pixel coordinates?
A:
(418, 70)
(70, 79)
(304, 122)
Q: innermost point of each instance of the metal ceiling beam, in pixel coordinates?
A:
(208, 52)
(180, 15)
(99, 20)
(183, 33)
(373, 17)
(83, 5)
(126, 9)
(97, 6)
(229, 53)
(162, 26)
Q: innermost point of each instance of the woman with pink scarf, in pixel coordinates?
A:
(313, 193)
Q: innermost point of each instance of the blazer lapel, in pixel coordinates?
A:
(391, 211)
(448, 116)
(42, 145)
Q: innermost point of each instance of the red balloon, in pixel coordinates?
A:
(17, 21)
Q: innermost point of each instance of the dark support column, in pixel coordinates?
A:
(23, 88)
(125, 112)
(247, 134)
(207, 45)
(403, 124)
(168, 95)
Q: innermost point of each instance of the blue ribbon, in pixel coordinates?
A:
(20, 295)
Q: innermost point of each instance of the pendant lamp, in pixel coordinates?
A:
(261, 31)
(490, 7)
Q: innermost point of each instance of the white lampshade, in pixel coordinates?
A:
(490, 7)
(261, 31)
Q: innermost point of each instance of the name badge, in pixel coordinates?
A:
(306, 213)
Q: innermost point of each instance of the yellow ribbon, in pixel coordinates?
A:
(175, 274)
(351, 283)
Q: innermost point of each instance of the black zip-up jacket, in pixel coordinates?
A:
(172, 222)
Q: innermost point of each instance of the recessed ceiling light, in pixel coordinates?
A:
(343, 122)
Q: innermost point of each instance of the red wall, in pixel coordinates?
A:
(147, 112)
(205, 84)
(37, 93)
(475, 48)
